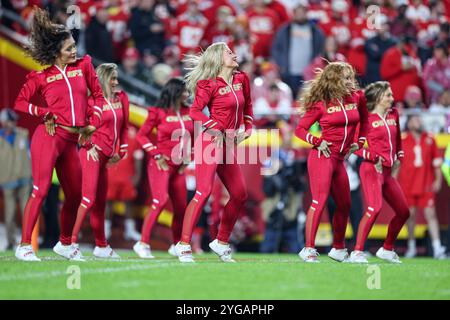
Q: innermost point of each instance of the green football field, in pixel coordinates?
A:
(254, 276)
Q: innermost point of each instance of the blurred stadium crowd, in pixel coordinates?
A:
(279, 43)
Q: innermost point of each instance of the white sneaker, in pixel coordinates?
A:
(105, 253)
(358, 257)
(62, 250)
(143, 250)
(440, 253)
(309, 255)
(26, 253)
(130, 231)
(339, 255)
(172, 251)
(388, 255)
(184, 252)
(76, 255)
(222, 250)
(410, 253)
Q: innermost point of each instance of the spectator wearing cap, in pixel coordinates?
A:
(413, 98)
(375, 48)
(132, 67)
(147, 29)
(15, 169)
(400, 66)
(295, 45)
(436, 73)
(271, 97)
(99, 43)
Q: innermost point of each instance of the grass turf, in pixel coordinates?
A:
(255, 276)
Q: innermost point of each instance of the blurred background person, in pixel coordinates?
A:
(123, 179)
(330, 55)
(15, 170)
(401, 67)
(98, 39)
(272, 98)
(283, 199)
(295, 45)
(421, 178)
(147, 29)
(190, 29)
(375, 48)
(436, 73)
(263, 22)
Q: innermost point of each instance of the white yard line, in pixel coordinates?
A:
(84, 271)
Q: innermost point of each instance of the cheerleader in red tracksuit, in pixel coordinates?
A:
(226, 92)
(168, 158)
(381, 160)
(332, 100)
(107, 146)
(64, 88)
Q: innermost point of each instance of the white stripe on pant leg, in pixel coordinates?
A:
(155, 201)
(87, 200)
(198, 192)
(370, 209)
(315, 201)
(35, 187)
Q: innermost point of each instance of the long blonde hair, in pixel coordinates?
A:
(206, 65)
(328, 85)
(105, 72)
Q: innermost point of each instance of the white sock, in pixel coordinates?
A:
(436, 244)
(412, 244)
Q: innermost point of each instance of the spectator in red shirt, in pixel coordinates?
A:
(190, 29)
(262, 23)
(222, 30)
(400, 66)
(421, 179)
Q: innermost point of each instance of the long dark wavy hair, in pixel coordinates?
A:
(46, 38)
(170, 93)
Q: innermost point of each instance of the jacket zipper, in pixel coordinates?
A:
(63, 72)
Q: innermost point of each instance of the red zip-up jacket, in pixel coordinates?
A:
(112, 135)
(169, 142)
(384, 139)
(65, 92)
(229, 105)
(338, 124)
